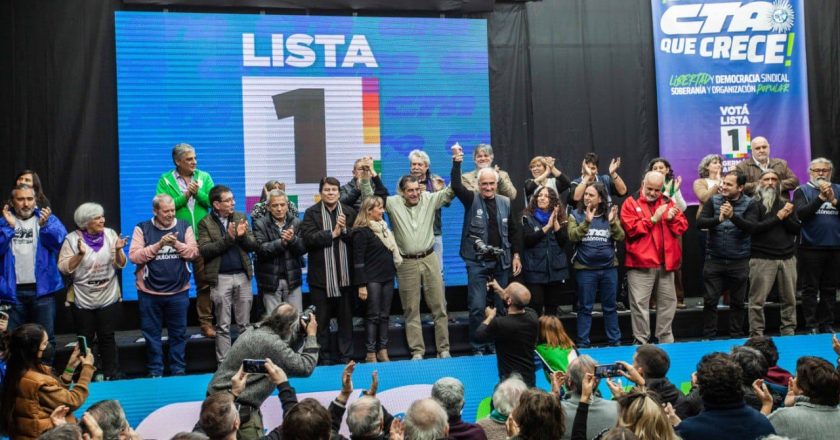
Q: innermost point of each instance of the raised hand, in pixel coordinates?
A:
(672, 213)
(725, 210)
(660, 211)
(590, 214)
(7, 214)
(341, 221)
(241, 228)
(558, 379)
(288, 234)
(231, 229)
(785, 211)
(457, 153)
(374, 385)
(275, 374)
(677, 183)
(238, 382)
(59, 415)
(94, 432)
(193, 187)
(438, 183)
(489, 313)
(615, 163)
(763, 394)
(588, 386)
(82, 246)
(45, 215)
(120, 243)
(613, 214)
(672, 414)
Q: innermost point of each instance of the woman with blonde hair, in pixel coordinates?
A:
(555, 348)
(544, 174)
(375, 259)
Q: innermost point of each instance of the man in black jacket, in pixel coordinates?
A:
(653, 363)
(280, 255)
(325, 230)
(774, 227)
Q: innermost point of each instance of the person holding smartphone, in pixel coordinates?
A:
(91, 256)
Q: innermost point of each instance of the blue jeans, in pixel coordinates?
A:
(154, 310)
(478, 298)
(30, 308)
(589, 284)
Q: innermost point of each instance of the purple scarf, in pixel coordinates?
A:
(94, 241)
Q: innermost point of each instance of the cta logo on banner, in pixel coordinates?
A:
(726, 72)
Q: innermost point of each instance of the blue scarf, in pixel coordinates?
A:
(542, 216)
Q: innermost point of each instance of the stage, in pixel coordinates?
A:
(159, 408)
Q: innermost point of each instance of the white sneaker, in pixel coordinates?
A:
(417, 357)
(444, 355)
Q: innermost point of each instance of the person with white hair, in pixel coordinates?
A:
(425, 420)
(91, 256)
(483, 158)
(419, 167)
(505, 397)
(449, 393)
(162, 248)
(819, 246)
(489, 242)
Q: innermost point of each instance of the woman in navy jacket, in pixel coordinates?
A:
(544, 264)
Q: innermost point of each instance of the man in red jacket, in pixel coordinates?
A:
(652, 225)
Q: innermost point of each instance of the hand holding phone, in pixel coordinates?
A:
(254, 366)
(82, 344)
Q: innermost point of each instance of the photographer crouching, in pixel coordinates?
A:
(279, 338)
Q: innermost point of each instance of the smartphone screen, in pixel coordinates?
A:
(254, 366)
(83, 347)
(609, 370)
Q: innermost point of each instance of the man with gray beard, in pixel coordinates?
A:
(774, 227)
(819, 248)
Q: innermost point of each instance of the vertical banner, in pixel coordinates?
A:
(728, 71)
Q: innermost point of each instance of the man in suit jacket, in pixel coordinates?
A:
(224, 240)
(325, 230)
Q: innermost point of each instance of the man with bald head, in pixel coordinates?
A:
(760, 162)
(515, 334)
(652, 226)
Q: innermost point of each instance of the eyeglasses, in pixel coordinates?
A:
(821, 170)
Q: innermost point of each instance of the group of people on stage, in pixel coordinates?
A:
(752, 235)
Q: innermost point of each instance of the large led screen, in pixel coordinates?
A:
(295, 98)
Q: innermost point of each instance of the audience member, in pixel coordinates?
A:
(189, 436)
(671, 190)
(819, 246)
(31, 178)
(754, 367)
(110, 417)
(224, 240)
(449, 393)
(514, 333)
(425, 419)
(613, 183)
(776, 375)
(413, 213)
(760, 161)
(727, 254)
(505, 398)
(652, 363)
(595, 228)
(325, 229)
(30, 239)
(724, 416)
(161, 248)
(279, 262)
(489, 242)
(190, 188)
(366, 417)
(32, 392)
(67, 431)
(813, 413)
(544, 174)
(91, 256)
(602, 414)
(554, 346)
(538, 416)
(653, 225)
(280, 338)
(260, 208)
(375, 258)
(774, 227)
(483, 158)
(419, 163)
(351, 193)
(544, 262)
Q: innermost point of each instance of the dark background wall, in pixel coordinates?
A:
(566, 77)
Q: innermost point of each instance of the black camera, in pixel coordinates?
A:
(306, 316)
(484, 250)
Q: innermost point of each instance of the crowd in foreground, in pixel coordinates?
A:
(739, 395)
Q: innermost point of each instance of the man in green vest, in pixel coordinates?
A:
(190, 188)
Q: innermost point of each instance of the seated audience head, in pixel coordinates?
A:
(507, 393)
(221, 197)
(449, 393)
(538, 166)
(641, 412)
(661, 165)
(619, 433)
(651, 361)
(307, 420)
(719, 379)
(419, 163)
(365, 418)
(820, 171)
(818, 380)
(752, 362)
(483, 156)
(219, 418)
(710, 165)
(767, 347)
(553, 334)
(539, 416)
(67, 431)
(518, 296)
(110, 416)
(189, 436)
(577, 371)
(425, 419)
(284, 319)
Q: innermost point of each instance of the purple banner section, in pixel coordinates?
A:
(727, 72)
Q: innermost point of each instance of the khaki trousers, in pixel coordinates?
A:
(763, 274)
(411, 275)
(641, 283)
